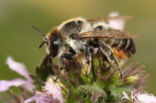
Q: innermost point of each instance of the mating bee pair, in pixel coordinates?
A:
(78, 38)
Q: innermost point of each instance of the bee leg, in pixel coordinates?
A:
(65, 56)
(88, 58)
(108, 52)
(106, 63)
(88, 52)
(50, 59)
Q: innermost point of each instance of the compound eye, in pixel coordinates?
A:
(79, 22)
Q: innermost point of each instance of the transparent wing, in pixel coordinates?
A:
(106, 33)
(109, 18)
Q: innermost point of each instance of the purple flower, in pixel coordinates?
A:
(26, 83)
(52, 94)
(116, 23)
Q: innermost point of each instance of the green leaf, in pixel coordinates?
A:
(117, 92)
(94, 90)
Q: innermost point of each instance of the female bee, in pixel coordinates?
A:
(77, 38)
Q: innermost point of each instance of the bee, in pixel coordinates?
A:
(76, 39)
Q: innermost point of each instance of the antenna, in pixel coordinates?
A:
(44, 42)
(35, 28)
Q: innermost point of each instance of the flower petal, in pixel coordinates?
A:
(29, 100)
(95, 50)
(28, 86)
(5, 84)
(116, 23)
(18, 67)
(42, 97)
(54, 90)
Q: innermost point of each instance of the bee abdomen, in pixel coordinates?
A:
(130, 47)
(126, 45)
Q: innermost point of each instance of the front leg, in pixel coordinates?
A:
(62, 63)
(108, 52)
(69, 55)
(88, 53)
(86, 60)
(65, 56)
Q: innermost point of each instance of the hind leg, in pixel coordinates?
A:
(108, 52)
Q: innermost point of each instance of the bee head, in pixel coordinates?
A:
(54, 42)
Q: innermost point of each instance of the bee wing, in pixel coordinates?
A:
(107, 33)
(109, 18)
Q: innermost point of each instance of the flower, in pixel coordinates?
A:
(54, 90)
(26, 83)
(117, 23)
(51, 94)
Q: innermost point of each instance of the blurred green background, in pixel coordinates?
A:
(20, 41)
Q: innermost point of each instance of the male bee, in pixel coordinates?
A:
(77, 38)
